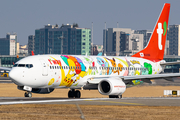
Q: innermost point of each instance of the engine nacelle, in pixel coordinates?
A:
(111, 86)
(42, 90)
(38, 90)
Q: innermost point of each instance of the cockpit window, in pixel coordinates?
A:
(15, 65)
(24, 65)
(29, 65)
(21, 65)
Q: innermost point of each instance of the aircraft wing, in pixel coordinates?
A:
(145, 78)
(5, 68)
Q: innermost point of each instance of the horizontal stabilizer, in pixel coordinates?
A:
(170, 63)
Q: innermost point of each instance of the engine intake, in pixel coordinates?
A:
(111, 86)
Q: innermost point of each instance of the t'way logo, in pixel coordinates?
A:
(160, 32)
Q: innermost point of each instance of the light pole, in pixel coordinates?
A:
(62, 37)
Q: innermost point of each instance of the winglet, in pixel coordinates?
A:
(155, 48)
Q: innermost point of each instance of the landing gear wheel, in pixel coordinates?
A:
(28, 94)
(77, 94)
(120, 96)
(70, 94)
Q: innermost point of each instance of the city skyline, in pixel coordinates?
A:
(23, 17)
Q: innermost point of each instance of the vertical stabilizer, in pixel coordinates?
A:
(156, 45)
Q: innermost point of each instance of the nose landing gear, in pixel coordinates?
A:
(28, 94)
(72, 93)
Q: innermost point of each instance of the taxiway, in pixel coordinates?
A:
(164, 101)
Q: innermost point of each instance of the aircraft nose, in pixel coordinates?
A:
(15, 77)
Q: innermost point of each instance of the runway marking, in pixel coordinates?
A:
(121, 102)
(47, 101)
(156, 98)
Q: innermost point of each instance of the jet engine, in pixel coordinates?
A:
(42, 90)
(111, 86)
(38, 90)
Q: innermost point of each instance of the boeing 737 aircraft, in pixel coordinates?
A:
(110, 75)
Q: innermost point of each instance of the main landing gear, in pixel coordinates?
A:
(27, 94)
(115, 96)
(72, 93)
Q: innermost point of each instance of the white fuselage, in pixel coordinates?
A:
(56, 71)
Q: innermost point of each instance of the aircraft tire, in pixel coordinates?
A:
(70, 94)
(77, 94)
(28, 94)
(120, 96)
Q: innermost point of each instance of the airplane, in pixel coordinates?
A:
(110, 75)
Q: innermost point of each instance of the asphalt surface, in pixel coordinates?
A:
(164, 101)
(5, 80)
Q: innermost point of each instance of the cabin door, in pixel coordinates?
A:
(44, 67)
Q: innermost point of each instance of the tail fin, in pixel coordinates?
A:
(156, 45)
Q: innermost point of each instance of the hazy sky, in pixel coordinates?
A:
(24, 16)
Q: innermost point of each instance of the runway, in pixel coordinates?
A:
(165, 101)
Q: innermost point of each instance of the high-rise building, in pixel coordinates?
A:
(173, 35)
(166, 51)
(31, 44)
(8, 44)
(121, 41)
(23, 50)
(97, 49)
(67, 39)
(146, 37)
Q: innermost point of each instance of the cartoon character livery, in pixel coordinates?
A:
(110, 75)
